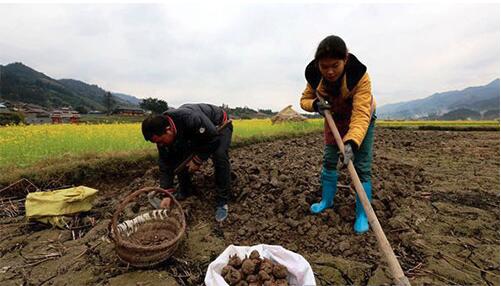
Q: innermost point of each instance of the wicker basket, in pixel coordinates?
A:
(151, 237)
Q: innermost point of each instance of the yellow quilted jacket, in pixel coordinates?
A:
(352, 104)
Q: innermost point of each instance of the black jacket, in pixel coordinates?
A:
(196, 132)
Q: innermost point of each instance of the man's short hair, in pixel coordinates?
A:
(154, 125)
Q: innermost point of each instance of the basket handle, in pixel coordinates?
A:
(129, 198)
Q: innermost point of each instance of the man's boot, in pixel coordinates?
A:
(221, 212)
(329, 188)
(185, 186)
(361, 222)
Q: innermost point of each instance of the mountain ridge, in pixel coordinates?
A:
(21, 83)
(476, 98)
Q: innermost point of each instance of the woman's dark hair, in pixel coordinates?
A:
(331, 47)
(154, 125)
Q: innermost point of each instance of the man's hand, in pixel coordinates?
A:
(348, 156)
(193, 166)
(165, 203)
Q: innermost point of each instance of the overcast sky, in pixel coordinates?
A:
(252, 54)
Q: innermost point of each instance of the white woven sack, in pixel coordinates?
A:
(300, 272)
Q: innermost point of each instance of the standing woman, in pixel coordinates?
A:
(342, 80)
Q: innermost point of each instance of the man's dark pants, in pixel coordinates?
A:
(221, 160)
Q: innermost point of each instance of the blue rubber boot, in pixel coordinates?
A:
(221, 213)
(329, 188)
(361, 222)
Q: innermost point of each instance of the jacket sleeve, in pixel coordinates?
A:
(361, 113)
(166, 169)
(205, 136)
(308, 99)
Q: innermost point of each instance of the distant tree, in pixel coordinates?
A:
(82, 109)
(11, 118)
(243, 112)
(312, 115)
(109, 102)
(267, 111)
(155, 105)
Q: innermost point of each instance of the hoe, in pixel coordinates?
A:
(398, 275)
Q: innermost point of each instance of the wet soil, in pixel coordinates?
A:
(436, 195)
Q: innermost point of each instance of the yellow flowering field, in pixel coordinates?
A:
(22, 146)
(262, 129)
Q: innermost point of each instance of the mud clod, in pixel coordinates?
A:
(279, 271)
(233, 276)
(254, 254)
(248, 266)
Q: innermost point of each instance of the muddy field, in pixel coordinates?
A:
(436, 194)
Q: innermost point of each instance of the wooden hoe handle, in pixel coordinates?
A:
(398, 275)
